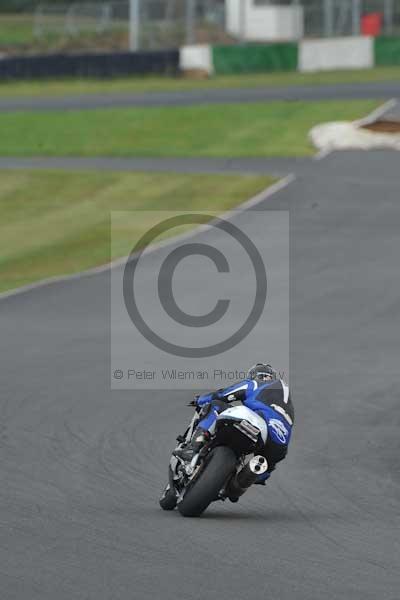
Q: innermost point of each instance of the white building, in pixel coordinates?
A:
(262, 21)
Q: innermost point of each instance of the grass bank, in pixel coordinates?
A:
(157, 84)
(55, 223)
(18, 35)
(271, 129)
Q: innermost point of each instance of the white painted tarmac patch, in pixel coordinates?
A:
(346, 135)
(342, 135)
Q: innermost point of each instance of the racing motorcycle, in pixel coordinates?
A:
(225, 467)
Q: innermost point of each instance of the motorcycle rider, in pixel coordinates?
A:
(264, 393)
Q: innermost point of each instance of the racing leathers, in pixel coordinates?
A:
(270, 399)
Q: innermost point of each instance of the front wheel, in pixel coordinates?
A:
(205, 489)
(168, 498)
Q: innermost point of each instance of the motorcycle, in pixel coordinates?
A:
(225, 467)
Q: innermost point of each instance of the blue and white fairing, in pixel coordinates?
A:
(242, 413)
(276, 416)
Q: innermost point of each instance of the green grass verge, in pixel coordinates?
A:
(156, 84)
(271, 129)
(58, 222)
(16, 30)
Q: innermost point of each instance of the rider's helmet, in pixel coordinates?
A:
(261, 373)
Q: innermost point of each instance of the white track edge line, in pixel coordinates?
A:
(321, 154)
(378, 112)
(257, 199)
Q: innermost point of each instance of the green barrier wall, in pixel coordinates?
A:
(387, 51)
(255, 58)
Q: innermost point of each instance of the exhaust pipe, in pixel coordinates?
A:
(257, 466)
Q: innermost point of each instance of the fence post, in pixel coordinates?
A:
(328, 18)
(38, 20)
(134, 24)
(242, 19)
(388, 16)
(356, 17)
(190, 18)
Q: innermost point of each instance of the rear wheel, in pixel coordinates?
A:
(212, 479)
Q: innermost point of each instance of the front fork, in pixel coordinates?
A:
(187, 436)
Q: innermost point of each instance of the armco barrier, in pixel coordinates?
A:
(196, 57)
(336, 53)
(255, 58)
(387, 51)
(90, 65)
(308, 55)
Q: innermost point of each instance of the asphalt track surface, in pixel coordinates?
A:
(82, 467)
(272, 166)
(343, 91)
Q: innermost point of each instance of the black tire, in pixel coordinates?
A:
(168, 498)
(205, 489)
